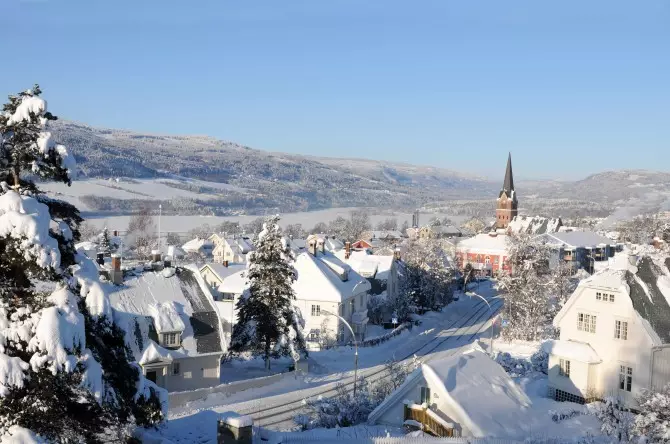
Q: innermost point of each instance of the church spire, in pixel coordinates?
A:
(508, 184)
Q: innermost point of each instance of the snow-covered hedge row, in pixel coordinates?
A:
(371, 342)
(516, 367)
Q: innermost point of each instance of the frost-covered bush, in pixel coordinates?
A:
(617, 421)
(517, 367)
(653, 421)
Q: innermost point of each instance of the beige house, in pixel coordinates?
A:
(439, 232)
(231, 249)
(615, 333)
(172, 327)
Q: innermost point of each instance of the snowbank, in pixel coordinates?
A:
(236, 420)
(19, 435)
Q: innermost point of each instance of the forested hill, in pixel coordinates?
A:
(287, 181)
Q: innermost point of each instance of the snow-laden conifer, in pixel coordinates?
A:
(268, 324)
(65, 371)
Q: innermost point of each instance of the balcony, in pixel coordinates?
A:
(430, 421)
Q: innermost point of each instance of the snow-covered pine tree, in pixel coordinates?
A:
(526, 290)
(268, 324)
(617, 421)
(653, 421)
(65, 370)
(105, 245)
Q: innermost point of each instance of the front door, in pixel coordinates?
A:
(151, 376)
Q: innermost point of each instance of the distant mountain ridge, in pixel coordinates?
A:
(261, 181)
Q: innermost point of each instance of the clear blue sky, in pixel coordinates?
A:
(570, 87)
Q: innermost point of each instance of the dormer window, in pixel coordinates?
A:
(171, 339)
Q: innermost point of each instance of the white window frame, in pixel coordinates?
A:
(586, 322)
(620, 330)
(316, 310)
(425, 395)
(625, 378)
(599, 296)
(564, 368)
(171, 339)
(175, 368)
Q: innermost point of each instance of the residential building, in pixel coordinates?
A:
(325, 283)
(439, 232)
(380, 270)
(486, 253)
(231, 249)
(199, 246)
(214, 274)
(467, 394)
(615, 333)
(579, 249)
(172, 327)
(507, 203)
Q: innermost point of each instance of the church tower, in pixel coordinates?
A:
(507, 203)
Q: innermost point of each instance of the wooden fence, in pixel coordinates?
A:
(430, 424)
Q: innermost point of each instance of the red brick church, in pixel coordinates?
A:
(487, 252)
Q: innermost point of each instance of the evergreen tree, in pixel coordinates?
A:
(105, 246)
(268, 324)
(65, 370)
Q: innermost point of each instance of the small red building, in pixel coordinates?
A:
(486, 253)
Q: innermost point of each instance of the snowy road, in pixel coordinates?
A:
(275, 407)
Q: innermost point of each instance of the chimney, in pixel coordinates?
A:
(100, 258)
(167, 262)
(397, 255)
(225, 263)
(155, 256)
(323, 246)
(116, 274)
(311, 247)
(347, 250)
(115, 233)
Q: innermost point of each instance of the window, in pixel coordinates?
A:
(496, 259)
(621, 330)
(314, 335)
(586, 322)
(625, 378)
(425, 395)
(611, 298)
(316, 310)
(564, 368)
(598, 296)
(170, 339)
(175, 368)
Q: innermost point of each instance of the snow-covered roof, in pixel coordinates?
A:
(573, 350)
(180, 299)
(646, 280)
(196, 245)
(222, 271)
(382, 234)
(445, 230)
(320, 278)
(166, 318)
(369, 265)
(576, 239)
(481, 396)
(484, 243)
(534, 224)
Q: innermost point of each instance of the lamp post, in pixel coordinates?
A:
(160, 211)
(328, 313)
(490, 313)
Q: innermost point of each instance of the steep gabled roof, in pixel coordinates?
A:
(534, 224)
(508, 183)
(184, 294)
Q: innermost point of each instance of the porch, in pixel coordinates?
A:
(430, 421)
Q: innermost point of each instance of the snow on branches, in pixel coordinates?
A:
(25, 144)
(268, 323)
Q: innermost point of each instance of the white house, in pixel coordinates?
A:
(380, 270)
(231, 249)
(172, 327)
(615, 333)
(324, 284)
(198, 245)
(466, 394)
(215, 273)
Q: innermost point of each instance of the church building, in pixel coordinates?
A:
(507, 207)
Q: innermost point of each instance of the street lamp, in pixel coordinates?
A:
(490, 313)
(160, 211)
(328, 313)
